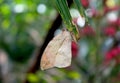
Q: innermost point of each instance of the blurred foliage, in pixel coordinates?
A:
(17, 19)
(24, 25)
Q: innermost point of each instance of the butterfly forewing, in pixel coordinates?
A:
(63, 57)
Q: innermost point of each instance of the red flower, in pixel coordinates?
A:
(85, 3)
(110, 31)
(115, 23)
(113, 54)
(118, 22)
(108, 56)
(74, 49)
(87, 31)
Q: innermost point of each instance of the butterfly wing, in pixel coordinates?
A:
(63, 57)
(48, 57)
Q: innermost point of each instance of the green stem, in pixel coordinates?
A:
(65, 14)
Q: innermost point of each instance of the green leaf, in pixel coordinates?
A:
(74, 75)
(65, 14)
(32, 78)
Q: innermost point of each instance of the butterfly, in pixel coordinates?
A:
(58, 52)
